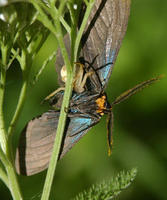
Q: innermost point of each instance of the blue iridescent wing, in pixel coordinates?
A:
(106, 28)
(78, 127)
(36, 141)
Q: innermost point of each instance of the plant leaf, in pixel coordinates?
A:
(109, 189)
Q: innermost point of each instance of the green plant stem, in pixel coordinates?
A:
(5, 157)
(63, 114)
(57, 31)
(10, 170)
(18, 108)
(4, 177)
(5, 161)
(39, 5)
(42, 15)
(24, 61)
(54, 28)
(67, 94)
(83, 25)
(3, 137)
(52, 2)
(59, 35)
(13, 182)
(66, 26)
(58, 139)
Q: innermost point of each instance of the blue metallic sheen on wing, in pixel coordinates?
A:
(80, 124)
(105, 71)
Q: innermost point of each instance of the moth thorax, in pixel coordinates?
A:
(101, 104)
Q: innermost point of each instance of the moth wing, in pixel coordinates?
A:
(77, 128)
(35, 145)
(105, 30)
(37, 139)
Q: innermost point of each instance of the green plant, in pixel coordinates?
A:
(110, 189)
(24, 27)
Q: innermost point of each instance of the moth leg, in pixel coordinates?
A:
(53, 93)
(81, 78)
(85, 78)
(79, 73)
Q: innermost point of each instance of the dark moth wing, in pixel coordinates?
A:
(105, 30)
(37, 139)
(102, 38)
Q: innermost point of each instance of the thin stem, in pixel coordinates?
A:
(48, 10)
(81, 30)
(43, 17)
(20, 104)
(5, 157)
(5, 162)
(15, 53)
(18, 108)
(73, 30)
(3, 138)
(68, 89)
(59, 35)
(61, 7)
(4, 177)
(14, 186)
(58, 139)
(13, 182)
(86, 2)
(63, 114)
(64, 23)
(36, 77)
(52, 2)
(55, 29)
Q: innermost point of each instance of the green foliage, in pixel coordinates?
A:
(21, 37)
(109, 189)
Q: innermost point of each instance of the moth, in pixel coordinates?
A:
(100, 45)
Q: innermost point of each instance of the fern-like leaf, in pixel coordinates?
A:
(109, 189)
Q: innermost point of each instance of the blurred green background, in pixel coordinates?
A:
(140, 124)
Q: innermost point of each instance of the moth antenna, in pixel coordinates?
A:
(136, 89)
